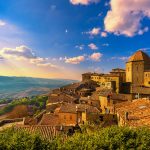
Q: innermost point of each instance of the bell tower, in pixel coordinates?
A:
(135, 67)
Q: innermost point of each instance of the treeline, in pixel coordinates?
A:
(110, 138)
(37, 101)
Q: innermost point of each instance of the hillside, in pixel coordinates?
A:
(11, 87)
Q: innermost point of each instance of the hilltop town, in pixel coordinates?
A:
(121, 97)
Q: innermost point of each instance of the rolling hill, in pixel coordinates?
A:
(11, 87)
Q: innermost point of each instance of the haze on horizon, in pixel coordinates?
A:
(53, 39)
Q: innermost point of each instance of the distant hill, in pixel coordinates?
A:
(11, 87)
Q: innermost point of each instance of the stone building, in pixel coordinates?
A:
(138, 74)
(137, 67)
(134, 80)
(72, 114)
(113, 80)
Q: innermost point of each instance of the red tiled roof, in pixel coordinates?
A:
(47, 132)
(49, 119)
(61, 98)
(138, 112)
(73, 108)
(139, 56)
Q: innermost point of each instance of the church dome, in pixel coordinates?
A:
(139, 56)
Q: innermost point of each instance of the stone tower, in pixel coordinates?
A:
(135, 67)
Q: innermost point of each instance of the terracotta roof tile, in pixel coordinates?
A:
(49, 119)
(138, 112)
(73, 108)
(139, 56)
(61, 98)
(47, 132)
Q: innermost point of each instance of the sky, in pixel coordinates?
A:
(65, 38)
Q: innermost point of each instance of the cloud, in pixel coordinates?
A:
(18, 52)
(83, 2)
(94, 32)
(125, 17)
(96, 56)
(22, 53)
(93, 46)
(75, 60)
(2, 23)
(103, 34)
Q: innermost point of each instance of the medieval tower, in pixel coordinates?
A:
(137, 66)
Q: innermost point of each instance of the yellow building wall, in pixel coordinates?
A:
(103, 103)
(103, 79)
(147, 79)
(129, 72)
(68, 118)
(135, 72)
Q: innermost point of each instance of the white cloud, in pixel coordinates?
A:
(83, 2)
(93, 46)
(125, 17)
(75, 60)
(2, 23)
(96, 56)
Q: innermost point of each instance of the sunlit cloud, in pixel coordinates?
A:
(25, 53)
(18, 52)
(83, 2)
(94, 32)
(103, 34)
(75, 60)
(93, 46)
(96, 56)
(125, 17)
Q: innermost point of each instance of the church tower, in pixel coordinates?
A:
(135, 67)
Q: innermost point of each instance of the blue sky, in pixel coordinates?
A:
(64, 38)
